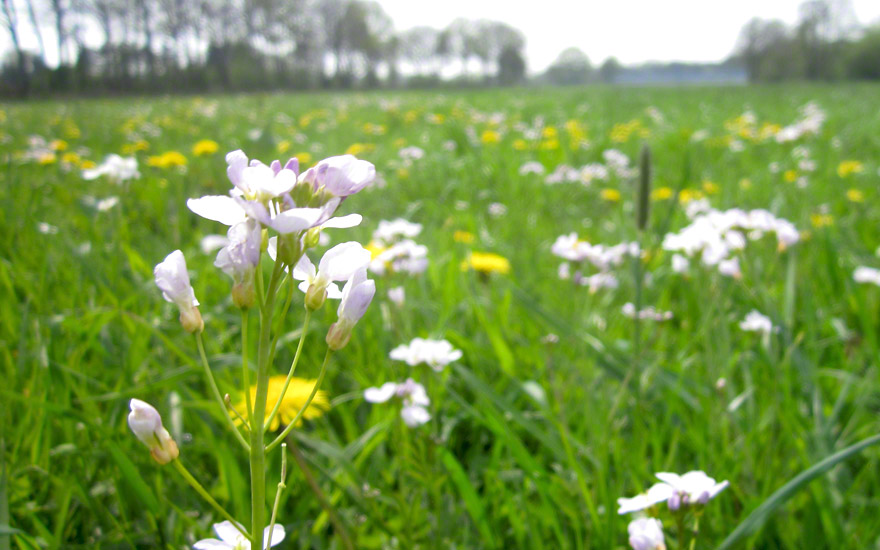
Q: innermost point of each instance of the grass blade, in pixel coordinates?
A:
(757, 518)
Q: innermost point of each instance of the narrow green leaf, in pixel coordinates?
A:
(757, 518)
(133, 479)
(471, 499)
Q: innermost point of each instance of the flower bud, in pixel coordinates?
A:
(339, 335)
(289, 249)
(315, 296)
(191, 319)
(146, 424)
(313, 236)
(243, 294)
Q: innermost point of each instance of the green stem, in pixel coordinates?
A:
(178, 465)
(299, 347)
(305, 406)
(258, 450)
(245, 370)
(696, 532)
(281, 487)
(216, 391)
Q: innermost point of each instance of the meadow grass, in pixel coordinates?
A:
(84, 329)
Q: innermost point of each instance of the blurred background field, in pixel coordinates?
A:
(533, 436)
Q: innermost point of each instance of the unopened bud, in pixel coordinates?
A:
(289, 249)
(313, 236)
(338, 335)
(315, 296)
(166, 450)
(191, 319)
(146, 424)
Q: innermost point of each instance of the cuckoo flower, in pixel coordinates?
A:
(232, 539)
(357, 294)
(145, 422)
(338, 264)
(435, 353)
(659, 492)
(173, 280)
(646, 534)
(342, 176)
(239, 260)
(415, 400)
(263, 193)
(691, 488)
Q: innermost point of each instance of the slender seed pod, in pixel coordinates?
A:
(644, 199)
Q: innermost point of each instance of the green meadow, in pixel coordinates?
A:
(560, 403)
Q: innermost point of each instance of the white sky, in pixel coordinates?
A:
(631, 30)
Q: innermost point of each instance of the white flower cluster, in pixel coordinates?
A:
(715, 235)
(565, 173)
(394, 251)
(755, 321)
(434, 353)
(691, 489)
(603, 258)
(864, 274)
(413, 396)
(811, 121)
(648, 313)
(616, 163)
(115, 168)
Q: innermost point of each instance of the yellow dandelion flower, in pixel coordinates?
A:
(610, 194)
(410, 116)
(294, 398)
(490, 136)
(71, 130)
(710, 187)
(549, 145)
(520, 144)
(661, 194)
(436, 118)
(486, 262)
(402, 173)
(463, 237)
(205, 147)
(131, 148)
(58, 145)
(88, 164)
(688, 195)
(47, 158)
(790, 176)
(304, 158)
(375, 249)
(745, 183)
(360, 148)
(550, 132)
(283, 146)
(855, 195)
(168, 159)
(374, 129)
(70, 158)
(821, 220)
(849, 167)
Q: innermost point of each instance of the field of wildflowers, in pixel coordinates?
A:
(450, 320)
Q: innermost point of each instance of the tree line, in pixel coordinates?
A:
(827, 43)
(118, 46)
(172, 46)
